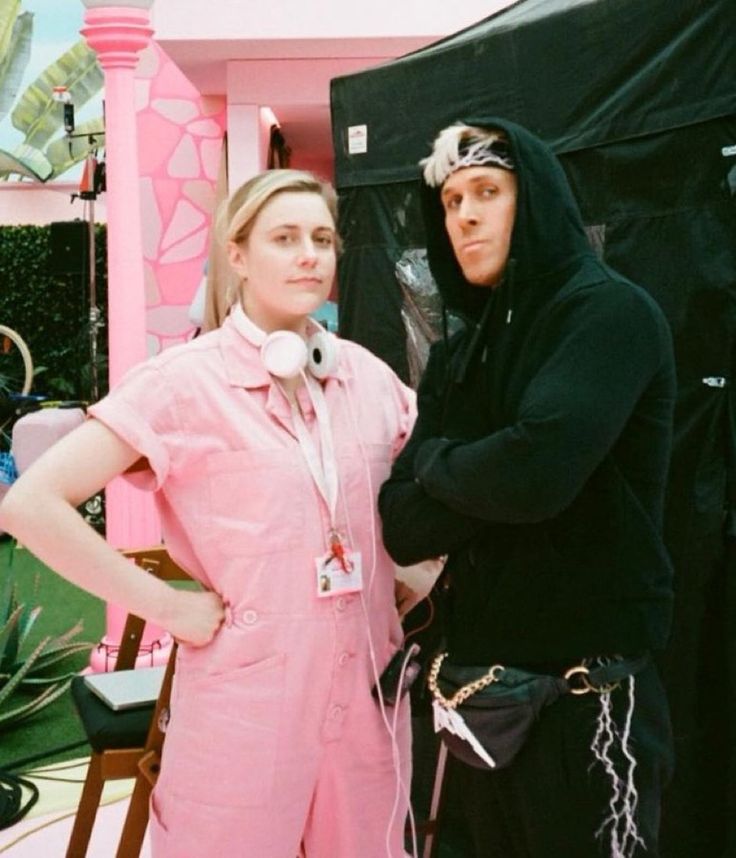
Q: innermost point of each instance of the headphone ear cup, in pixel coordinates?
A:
(284, 354)
(322, 352)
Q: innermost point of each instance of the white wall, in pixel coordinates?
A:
(315, 19)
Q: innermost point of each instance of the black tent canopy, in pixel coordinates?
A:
(580, 73)
(638, 99)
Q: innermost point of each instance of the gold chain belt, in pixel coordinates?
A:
(579, 671)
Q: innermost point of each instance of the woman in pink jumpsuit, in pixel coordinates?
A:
(266, 489)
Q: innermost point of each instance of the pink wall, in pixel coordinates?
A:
(179, 143)
(30, 203)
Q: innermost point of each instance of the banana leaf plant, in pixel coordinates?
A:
(46, 151)
(16, 31)
(31, 676)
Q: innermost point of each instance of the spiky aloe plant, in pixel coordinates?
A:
(31, 671)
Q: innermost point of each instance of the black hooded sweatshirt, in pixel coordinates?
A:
(539, 457)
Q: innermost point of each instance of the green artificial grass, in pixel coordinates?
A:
(63, 605)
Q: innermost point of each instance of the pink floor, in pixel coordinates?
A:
(47, 836)
(44, 833)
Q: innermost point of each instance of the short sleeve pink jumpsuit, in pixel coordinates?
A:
(275, 745)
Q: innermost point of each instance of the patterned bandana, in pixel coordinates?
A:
(461, 146)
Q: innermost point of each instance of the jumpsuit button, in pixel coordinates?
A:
(343, 659)
(336, 712)
(249, 617)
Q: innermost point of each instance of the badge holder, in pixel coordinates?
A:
(339, 570)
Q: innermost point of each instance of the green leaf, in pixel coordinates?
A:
(68, 151)
(14, 59)
(44, 662)
(8, 600)
(8, 16)
(25, 161)
(19, 675)
(63, 639)
(27, 709)
(9, 639)
(26, 623)
(37, 115)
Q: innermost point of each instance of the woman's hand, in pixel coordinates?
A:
(195, 617)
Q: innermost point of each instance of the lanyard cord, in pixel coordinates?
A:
(323, 464)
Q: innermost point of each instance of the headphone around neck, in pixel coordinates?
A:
(285, 354)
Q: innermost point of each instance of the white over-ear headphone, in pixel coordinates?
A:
(285, 354)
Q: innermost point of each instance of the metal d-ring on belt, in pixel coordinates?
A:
(604, 677)
(600, 678)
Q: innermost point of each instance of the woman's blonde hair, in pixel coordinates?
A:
(236, 216)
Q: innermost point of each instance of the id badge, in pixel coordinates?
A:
(336, 576)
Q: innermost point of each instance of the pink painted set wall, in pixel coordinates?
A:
(179, 143)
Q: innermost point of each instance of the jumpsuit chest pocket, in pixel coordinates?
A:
(254, 502)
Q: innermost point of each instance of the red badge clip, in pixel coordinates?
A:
(338, 553)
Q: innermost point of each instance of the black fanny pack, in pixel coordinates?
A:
(484, 715)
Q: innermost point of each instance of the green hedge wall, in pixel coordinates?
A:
(50, 309)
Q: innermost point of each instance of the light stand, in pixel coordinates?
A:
(93, 182)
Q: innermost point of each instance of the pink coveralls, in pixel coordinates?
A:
(274, 742)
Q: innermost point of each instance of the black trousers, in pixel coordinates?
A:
(553, 798)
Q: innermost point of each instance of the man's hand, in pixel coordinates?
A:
(195, 616)
(414, 583)
(406, 598)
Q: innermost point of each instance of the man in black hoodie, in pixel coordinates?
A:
(537, 465)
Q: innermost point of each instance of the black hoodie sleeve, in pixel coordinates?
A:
(415, 526)
(604, 345)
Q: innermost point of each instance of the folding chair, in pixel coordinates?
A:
(125, 744)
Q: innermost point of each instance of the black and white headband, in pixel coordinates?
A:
(461, 146)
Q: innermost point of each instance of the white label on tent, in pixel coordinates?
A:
(728, 150)
(357, 139)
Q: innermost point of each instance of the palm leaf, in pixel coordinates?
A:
(8, 16)
(25, 161)
(13, 716)
(14, 57)
(37, 115)
(68, 151)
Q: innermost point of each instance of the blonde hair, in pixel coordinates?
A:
(236, 216)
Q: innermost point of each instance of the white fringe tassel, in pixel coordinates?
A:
(620, 824)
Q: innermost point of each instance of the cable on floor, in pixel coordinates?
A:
(13, 806)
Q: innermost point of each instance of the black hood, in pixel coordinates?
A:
(548, 235)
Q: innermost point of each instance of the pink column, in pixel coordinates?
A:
(117, 32)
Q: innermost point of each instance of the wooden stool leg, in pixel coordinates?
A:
(87, 810)
(136, 821)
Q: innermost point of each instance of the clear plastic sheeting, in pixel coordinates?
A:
(421, 309)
